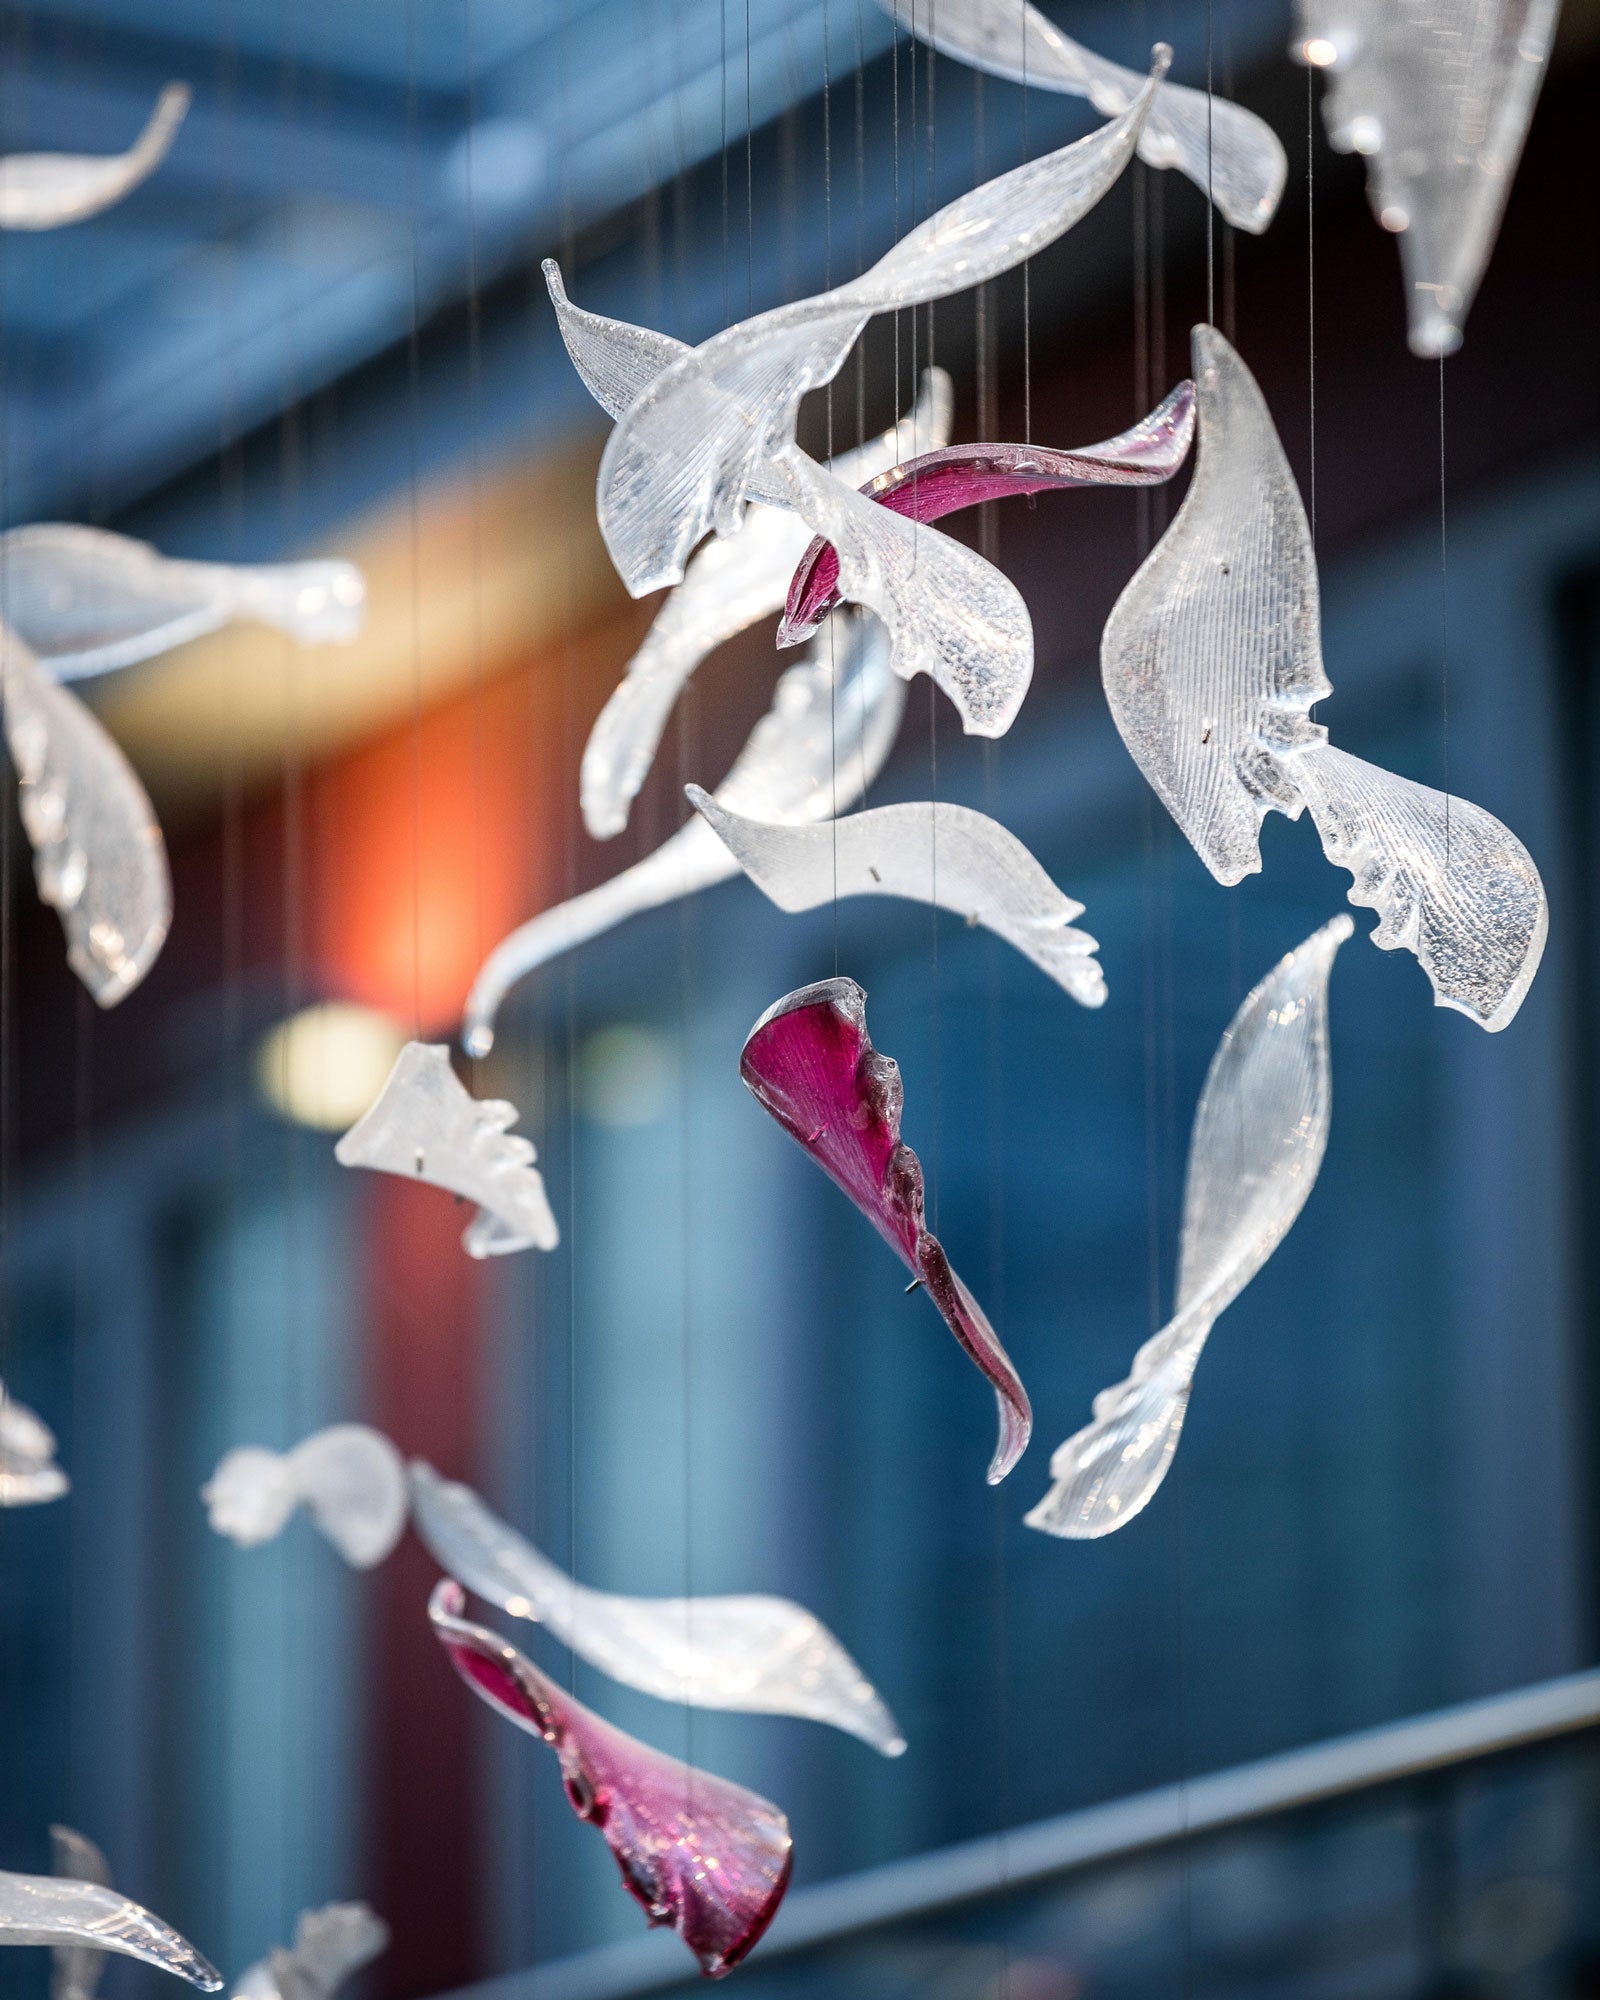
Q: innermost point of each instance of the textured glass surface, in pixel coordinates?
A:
(426, 1124)
(941, 482)
(52, 1910)
(1437, 95)
(86, 601)
(1211, 660)
(76, 1969)
(764, 1655)
(331, 1945)
(931, 853)
(809, 1062)
(28, 1470)
(349, 1478)
(832, 723)
(98, 855)
(688, 451)
(696, 1852)
(46, 190)
(1225, 150)
(1259, 1135)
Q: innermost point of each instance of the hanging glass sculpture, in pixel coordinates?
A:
(62, 1911)
(707, 1857)
(48, 190)
(29, 1474)
(1260, 1132)
(349, 1478)
(331, 1945)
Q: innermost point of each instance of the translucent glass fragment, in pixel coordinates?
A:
(707, 1857)
(52, 1910)
(76, 1969)
(29, 1474)
(687, 452)
(1229, 153)
(809, 1062)
(762, 1655)
(426, 1124)
(930, 853)
(1212, 658)
(1437, 96)
(47, 190)
(943, 481)
(331, 1945)
(98, 855)
(1259, 1135)
(86, 601)
(832, 723)
(349, 1478)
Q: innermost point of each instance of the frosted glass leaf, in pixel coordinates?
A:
(809, 1062)
(349, 1478)
(76, 1969)
(1437, 95)
(616, 360)
(426, 1124)
(696, 1852)
(941, 482)
(687, 452)
(730, 583)
(759, 1655)
(46, 190)
(29, 1474)
(49, 1910)
(832, 723)
(1225, 150)
(330, 1946)
(931, 853)
(1259, 1136)
(98, 855)
(86, 601)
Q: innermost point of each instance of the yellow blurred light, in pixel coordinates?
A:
(1320, 53)
(324, 1066)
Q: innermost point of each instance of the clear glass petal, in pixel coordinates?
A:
(99, 858)
(1438, 95)
(809, 1062)
(1225, 150)
(46, 190)
(76, 1969)
(49, 1910)
(29, 1474)
(1259, 1136)
(427, 1125)
(696, 1852)
(349, 1478)
(930, 853)
(331, 1945)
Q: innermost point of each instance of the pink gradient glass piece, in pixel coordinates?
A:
(966, 475)
(696, 1852)
(810, 1063)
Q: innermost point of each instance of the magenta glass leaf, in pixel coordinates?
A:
(809, 1062)
(696, 1852)
(965, 475)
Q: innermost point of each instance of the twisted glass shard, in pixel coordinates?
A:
(47, 190)
(331, 1945)
(75, 1969)
(50, 1910)
(426, 1124)
(1211, 660)
(349, 1478)
(29, 1474)
(99, 858)
(832, 723)
(762, 1655)
(808, 1061)
(1229, 153)
(1437, 96)
(1259, 1136)
(696, 1852)
(965, 475)
(86, 601)
(930, 853)
(689, 450)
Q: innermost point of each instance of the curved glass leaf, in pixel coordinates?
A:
(51, 1910)
(331, 1945)
(29, 1474)
(349, 1478)
(47, 190)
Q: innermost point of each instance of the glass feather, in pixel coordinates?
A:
(76, 1969)
(1229, 153)
(759, 1655)
(1260, 1131)
(330, 1946)
(348, 1477)
(810, 1064)
(427, 1125)
(696, 1852)
(48, 190)
(29, 1474)
(51, 1910)
(928, 852)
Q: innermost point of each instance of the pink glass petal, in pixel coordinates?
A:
(696, 1852)
(809, 1062)
(965, 475)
